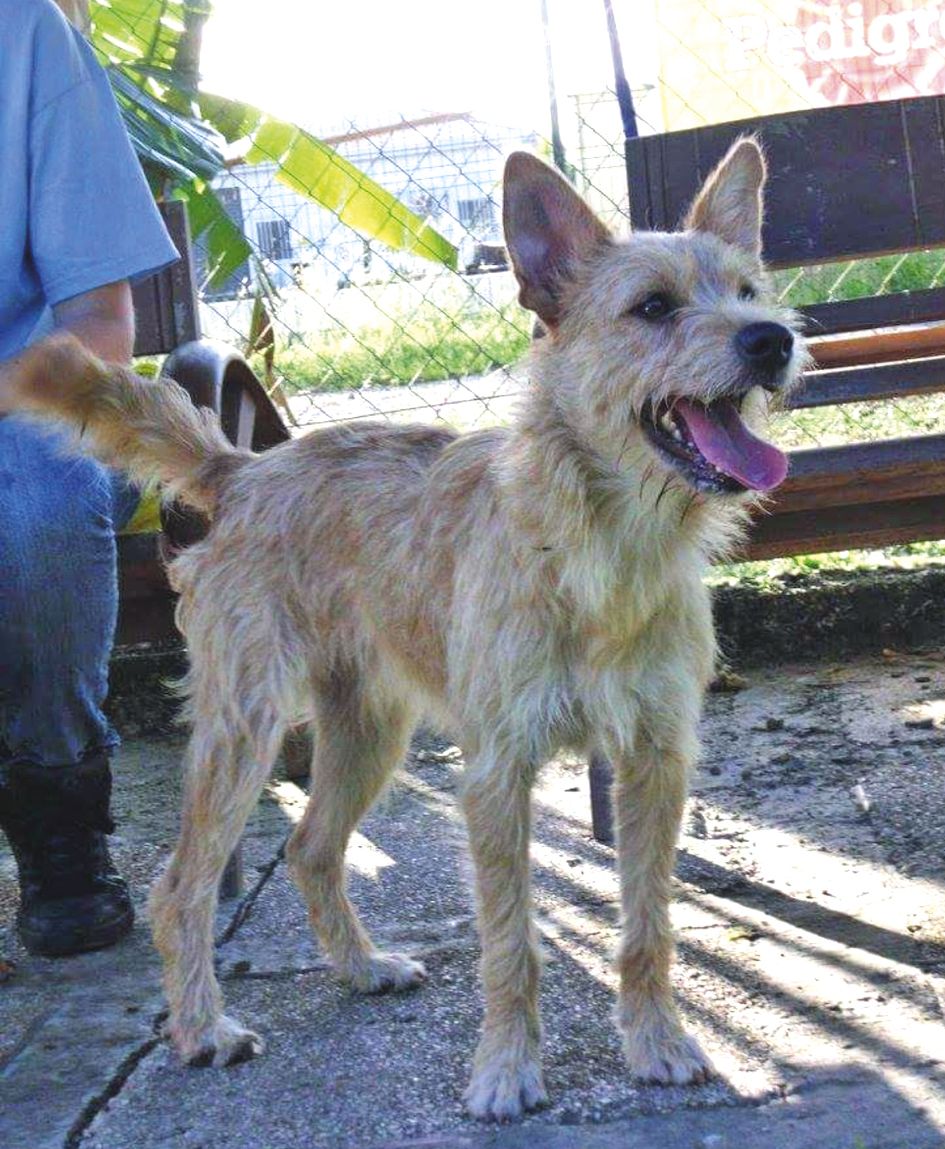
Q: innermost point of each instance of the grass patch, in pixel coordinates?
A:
(425, 346)
(764, 572)
(827, 283)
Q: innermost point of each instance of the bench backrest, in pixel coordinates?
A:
(166, 313)
(844, 183)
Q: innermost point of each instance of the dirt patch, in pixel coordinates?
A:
(830, 614)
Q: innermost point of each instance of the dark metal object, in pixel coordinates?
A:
(557, 146)
(297, 754)
(231, 883)
(601, 776)
(621, 87)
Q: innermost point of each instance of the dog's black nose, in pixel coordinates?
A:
(765, 346)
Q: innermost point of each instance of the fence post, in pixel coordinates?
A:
(621, 86)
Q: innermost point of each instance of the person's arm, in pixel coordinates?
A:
(103, 319)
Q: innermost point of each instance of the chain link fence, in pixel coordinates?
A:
(358, 329)
(344, 328)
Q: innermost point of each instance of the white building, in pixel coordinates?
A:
(447, 168)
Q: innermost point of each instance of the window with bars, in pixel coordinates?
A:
(234, 283)
(475, 214)
(274, 238)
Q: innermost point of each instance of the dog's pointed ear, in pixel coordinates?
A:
(730, 204)
(548, 229)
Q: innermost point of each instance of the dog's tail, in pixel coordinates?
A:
(147, 427)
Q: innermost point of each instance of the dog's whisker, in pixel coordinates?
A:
(666, 485)
(693, 498)
(623, 449)
(647, 475)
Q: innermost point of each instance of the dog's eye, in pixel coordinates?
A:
(746, 292)
(655, 307)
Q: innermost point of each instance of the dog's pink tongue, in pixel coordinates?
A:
(722, 437)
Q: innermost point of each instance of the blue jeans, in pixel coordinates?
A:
(58, 596)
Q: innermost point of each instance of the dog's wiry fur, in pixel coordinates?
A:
(527, 588)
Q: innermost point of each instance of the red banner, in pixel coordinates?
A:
(729, 59)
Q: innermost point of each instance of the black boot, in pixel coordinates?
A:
(72, 898)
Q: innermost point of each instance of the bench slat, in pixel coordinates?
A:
(868, 525)
(890, 345)
(898, 308)
(845, 182)
(856, 384)
(888, 470)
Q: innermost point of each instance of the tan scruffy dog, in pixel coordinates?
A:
(527, 589)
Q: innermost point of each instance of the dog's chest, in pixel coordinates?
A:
(555, 716)
(595, 666)
(586, 682)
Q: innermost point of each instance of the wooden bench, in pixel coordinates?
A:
(844, 183)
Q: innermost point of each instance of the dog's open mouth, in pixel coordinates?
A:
(711, 446)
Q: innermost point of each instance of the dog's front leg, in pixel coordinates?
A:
(650, 792)
(506, 1078)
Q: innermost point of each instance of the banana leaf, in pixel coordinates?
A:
(186, 147)
(314, 169)
(179, 132)
(134, 31)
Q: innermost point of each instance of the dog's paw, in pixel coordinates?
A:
(667, 1058)
(504, 1089)
(223, 1043)
(383, 973)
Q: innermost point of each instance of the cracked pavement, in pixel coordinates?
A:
(810, 920)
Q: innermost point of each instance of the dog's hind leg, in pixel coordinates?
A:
(506, 1077)
(650, 793)
(225, 773)
(358, 744)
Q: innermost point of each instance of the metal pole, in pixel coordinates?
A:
(624, 95)
(557, 147)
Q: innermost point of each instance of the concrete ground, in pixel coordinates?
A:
(809, 910)
(466, 404)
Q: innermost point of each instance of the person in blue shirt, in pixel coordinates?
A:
(79, 224)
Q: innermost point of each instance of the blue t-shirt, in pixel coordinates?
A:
(75, 209)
